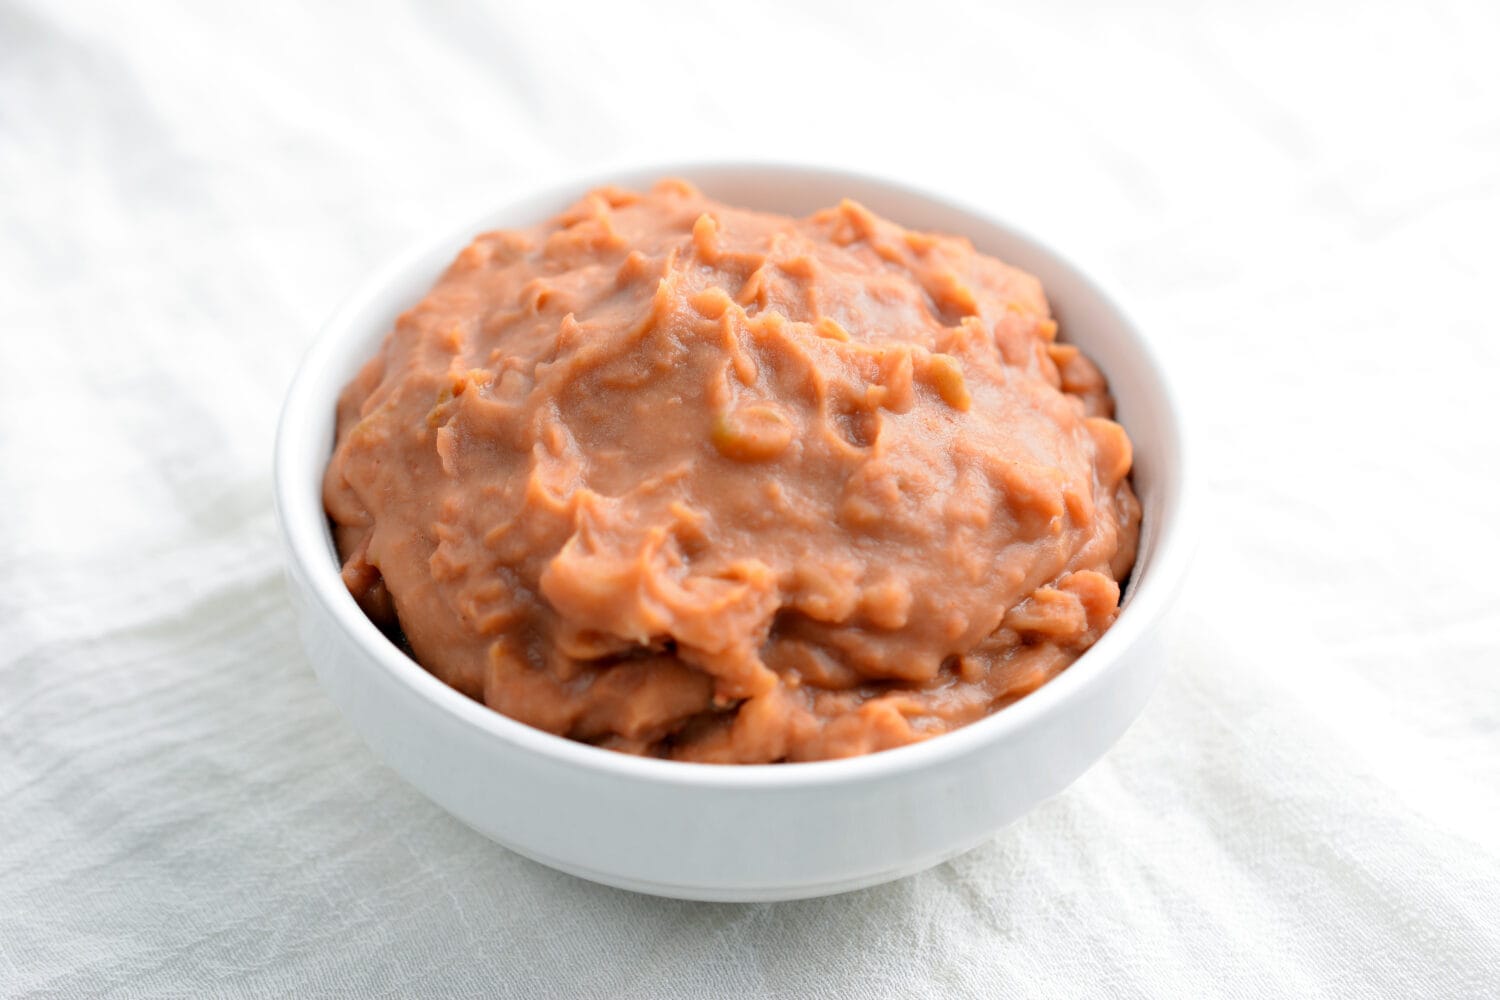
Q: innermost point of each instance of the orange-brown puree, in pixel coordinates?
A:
(683, 479)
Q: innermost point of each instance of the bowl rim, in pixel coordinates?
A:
(303, 524)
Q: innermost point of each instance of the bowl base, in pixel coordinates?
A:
(742, 894)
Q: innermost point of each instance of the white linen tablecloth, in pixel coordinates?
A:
(1300, 203)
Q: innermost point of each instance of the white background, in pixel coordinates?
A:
(1300, 203)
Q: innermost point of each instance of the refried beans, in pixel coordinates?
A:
(685, 480)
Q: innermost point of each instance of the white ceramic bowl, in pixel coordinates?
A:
(702, 831)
